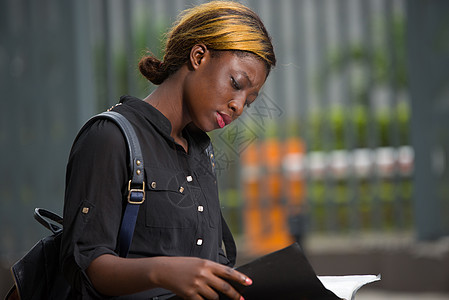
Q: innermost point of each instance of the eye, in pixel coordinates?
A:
(235, 84)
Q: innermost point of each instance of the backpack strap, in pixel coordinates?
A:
(136, 184)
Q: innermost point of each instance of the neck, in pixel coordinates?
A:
(167, 98)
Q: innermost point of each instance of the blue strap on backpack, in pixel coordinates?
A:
(136, 184)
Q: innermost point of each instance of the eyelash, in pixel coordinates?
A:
(235, 85)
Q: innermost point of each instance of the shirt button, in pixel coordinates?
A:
(199, 242)
(200, 208)
(181, 189)
(189, 178)
(153, 184)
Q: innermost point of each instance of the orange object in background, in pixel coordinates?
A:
(269, 195)
(293, 173)
(252, 214)
(293, 167)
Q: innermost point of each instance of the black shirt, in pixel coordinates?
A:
(180, 216)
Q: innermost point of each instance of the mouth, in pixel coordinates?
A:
(223, 119)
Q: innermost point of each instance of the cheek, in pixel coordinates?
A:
(193, 91)
(222, 91)
(212, 95)
(216, 81)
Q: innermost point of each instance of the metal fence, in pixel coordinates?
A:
(326, 148)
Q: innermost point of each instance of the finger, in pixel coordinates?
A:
(208, 293)
(190, 296)
(232, 274)
(224, 287)
(198, 297)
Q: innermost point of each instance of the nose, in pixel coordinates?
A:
(237, 107)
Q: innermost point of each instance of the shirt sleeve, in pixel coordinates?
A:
(95, 184)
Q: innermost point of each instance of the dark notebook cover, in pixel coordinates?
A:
(284, 274)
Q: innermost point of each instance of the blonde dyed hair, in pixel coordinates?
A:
(220, 26)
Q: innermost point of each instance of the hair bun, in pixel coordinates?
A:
(153, 69)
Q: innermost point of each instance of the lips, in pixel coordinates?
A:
(223, 120)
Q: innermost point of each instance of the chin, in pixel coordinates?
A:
(205, 128)
(212, 129)
(209, 129)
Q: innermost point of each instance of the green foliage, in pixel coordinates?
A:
(331, 129)
(361, 125)
(381, 65)
(384, 203)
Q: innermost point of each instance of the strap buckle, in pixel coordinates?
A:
(130, 190)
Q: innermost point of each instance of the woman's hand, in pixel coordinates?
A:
(189, 277)
(195, 278)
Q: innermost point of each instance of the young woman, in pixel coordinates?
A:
(217, 57)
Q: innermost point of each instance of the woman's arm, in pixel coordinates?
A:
(188, 277)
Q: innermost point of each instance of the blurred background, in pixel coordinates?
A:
(345, 151)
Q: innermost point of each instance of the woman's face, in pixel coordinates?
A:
(219, 87)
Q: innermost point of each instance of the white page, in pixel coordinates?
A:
(345, 287)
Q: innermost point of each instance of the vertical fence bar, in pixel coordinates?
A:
(348, 108)
(393, 73)
(85, 70)
(23, 187)
(328, 138)
(13, 42)
(372, 136)
(110, 91)
(6, 134)
(427, 27)
(287, 66)
(270, 19)
(129, 42)
(302, 72)
(310, 95)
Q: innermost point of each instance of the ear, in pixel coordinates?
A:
(198, 54)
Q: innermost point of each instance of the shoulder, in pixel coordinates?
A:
(101, 135)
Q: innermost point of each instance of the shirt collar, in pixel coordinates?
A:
(158, 120)
(150, 113)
